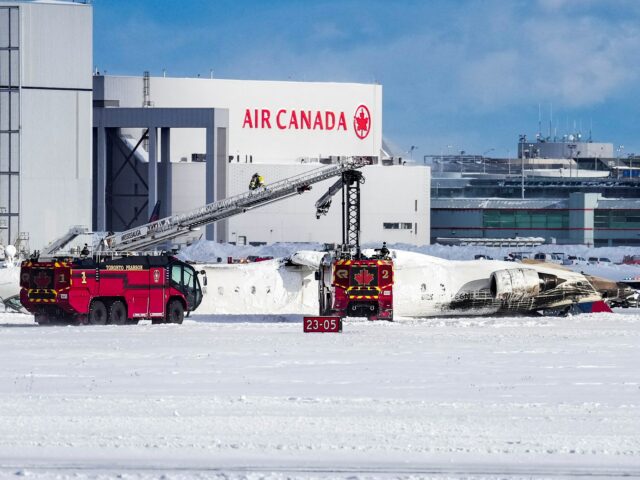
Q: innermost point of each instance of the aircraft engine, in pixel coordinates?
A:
(520, 283)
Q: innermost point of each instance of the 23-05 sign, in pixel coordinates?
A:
(322, 324)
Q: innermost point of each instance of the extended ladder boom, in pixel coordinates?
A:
(152, 233)
(349, 185)
(65, 239)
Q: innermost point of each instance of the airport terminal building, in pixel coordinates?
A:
(563, 191)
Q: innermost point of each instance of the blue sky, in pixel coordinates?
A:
(457, 75)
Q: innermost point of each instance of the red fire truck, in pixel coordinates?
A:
(357, 288)
(109, 291)
(350, 283)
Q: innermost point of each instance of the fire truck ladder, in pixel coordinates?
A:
(349, 183)
(65, 239)
(152, 233)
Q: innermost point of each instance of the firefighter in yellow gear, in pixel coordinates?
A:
(256, 182)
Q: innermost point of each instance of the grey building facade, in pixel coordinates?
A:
(45, 119)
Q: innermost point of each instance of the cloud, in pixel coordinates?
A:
(488, 58)
(576, 60)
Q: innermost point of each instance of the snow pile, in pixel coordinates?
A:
(207, 251)
(9, 280)
(467, 252)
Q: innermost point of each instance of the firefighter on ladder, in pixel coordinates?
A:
(256, 182)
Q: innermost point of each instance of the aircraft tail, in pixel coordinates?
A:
(155, 214)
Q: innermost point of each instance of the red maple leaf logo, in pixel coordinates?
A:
(364, 277)
(362, 122)
(42, 280)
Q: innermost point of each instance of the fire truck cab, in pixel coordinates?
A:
(109, 291)
(356, 287)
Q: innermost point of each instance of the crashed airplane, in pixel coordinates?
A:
(425, 286)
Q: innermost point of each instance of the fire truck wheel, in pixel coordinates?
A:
(97, 313)
(42, 319)
(175, 312)
(118, 313)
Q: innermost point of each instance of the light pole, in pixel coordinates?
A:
(411, 149)
(572, 148)
(521, 152)
(509, 160)
(484, 166)
(524, 152)
(618, 155)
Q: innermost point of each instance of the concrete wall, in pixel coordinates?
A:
(55, 118)
(188, 186)
(389, 195)
(57, 45)
(581, 216)
(55, 179)
(261, 141)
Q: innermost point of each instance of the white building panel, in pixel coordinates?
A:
(45, 117)
(269, 121)
(188, 186)
(56, 45)
(396, 197)
(55, 171)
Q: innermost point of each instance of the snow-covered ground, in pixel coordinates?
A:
(252, 396)
(255, 397)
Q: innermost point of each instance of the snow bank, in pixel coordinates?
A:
(206, 251)
(9, 281)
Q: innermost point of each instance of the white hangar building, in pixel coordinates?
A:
(277, 129)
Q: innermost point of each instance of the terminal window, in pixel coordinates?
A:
(617, 219)
(533, 219)
(397, 226)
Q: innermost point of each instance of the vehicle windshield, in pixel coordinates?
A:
(198, 291)
(185, 279)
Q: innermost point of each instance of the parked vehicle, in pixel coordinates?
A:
(599, 261)
(574, 260)
(517, 256)
(631, 260)
(549, 257)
